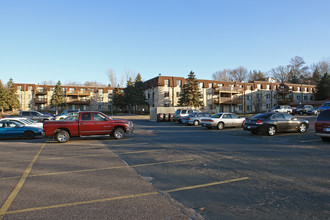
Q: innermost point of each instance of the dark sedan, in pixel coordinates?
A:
(9, 129)
(274, 122)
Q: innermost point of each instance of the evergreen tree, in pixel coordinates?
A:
(58, 96)
(323, 88)
(118, 98)
(129, 94)
(191, 94)
(3, 98)
(316, 77)
(11, 96)
(139, 96)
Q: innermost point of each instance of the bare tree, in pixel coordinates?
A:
(239, 74)
(322, 66)
(298, 70)
(223, 75)
(130, 74)
(257, 76)
(48, 82)
(280, 74)
(112, 77)
(93, 83)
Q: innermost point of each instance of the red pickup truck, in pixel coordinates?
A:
(85, 124)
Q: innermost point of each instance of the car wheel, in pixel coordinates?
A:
(196, 123)
(28, 135)
(271, 130)
(254, 132)
(119, 133)
(302, 128)
(62, 136)
(220, 125)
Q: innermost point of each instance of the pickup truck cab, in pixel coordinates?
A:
(87, 123)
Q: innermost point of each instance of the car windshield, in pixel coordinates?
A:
(277, 107)
(261, 115)
(216, 116)
(327, 104)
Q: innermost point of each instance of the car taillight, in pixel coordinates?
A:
(188, 118)
(259, 122)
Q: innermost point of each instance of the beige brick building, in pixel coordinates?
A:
(38, 97)
(240, 97)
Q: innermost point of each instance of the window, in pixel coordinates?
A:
(210, 85)
(268, 106)
(278, 117)
(248, 107)
(201, 85)
(305, 97)
(298, 97)
(166, 94)
(267, 96)
(167, 82)
(179, 82)
(234, 116)
(248, 97)
(240, 107)
(100, 90)
(86, 117)
(99, 117)
(275, 96)
(248, 87)
(258, 86)
(177, 94)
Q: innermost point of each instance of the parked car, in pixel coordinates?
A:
(273, 122)
(25, 122)
(322, 125)
(302, 109)
(180, 113)
(222, 120)
(312, 111)
(88, 123)
(66, 113)
(15, 129)
(324, 106)
(195, 118)
(34, 115)
(282, 108)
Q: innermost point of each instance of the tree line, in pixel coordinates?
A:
(8, 97)
(296, 71)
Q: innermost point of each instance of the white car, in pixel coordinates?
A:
(282, 108)
(25, 122)
(222, 120)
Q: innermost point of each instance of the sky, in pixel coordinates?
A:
(80, 40)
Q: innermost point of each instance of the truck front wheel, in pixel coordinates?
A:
(62, 136)
(118, 133)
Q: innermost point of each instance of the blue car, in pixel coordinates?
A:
(324, 106)
(11, 129)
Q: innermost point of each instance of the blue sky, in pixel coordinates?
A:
(81, 40)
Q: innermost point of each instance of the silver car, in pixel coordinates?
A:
(195, 118)
(222, 120)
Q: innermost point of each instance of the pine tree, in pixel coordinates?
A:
(118, 98)
(139, 96)
(3, 98)
(129, 94)
(11, 96)
(58, 96)
(323, 88)
(316, 77)
(191, 94)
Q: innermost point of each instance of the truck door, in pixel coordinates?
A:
(86, 125)
(102, 125)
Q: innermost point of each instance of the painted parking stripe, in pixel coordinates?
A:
(124, 197)
(80, 156)
(105, 168)
(19, 185)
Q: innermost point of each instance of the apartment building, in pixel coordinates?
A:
(38, 97)
(224, 96)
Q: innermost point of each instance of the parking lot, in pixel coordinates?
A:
(167, 171)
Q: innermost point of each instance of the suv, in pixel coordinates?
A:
(302, 109)
(324, 106)
(282, 108)
(322, 125)
(182, 113)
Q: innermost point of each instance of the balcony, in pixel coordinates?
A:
(78, 101)
(41, 92)
(227, 100)
(40, 100)
(284, 91)
(78, 93)
(228, 89)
